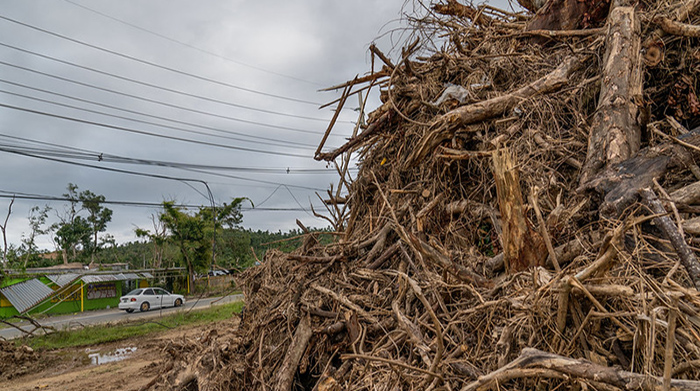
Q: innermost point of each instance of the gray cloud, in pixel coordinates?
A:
(321, 42)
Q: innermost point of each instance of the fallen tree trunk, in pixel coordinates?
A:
(285, 374)
(554, 365)
(615, 134)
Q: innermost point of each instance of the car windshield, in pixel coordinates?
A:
(135, 292)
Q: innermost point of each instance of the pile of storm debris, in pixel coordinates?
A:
(526, 215)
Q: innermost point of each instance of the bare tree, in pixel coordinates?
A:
(3, 229)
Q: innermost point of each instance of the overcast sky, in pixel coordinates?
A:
(229, 83)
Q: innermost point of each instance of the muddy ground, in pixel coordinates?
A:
(75, 369)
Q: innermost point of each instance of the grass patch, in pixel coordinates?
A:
(109, 333)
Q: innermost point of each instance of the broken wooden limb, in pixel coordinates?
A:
(375, 127)
(523, 247)
(445, 126)
(375, 50)
(284, 376)
(692, 226)
(359, 80)
(677, 28)
(612, 290)
(333, 328)
(570, 367)
(615, 133)
(388, 253)
(453, 8)
(440, 348)
(534, 201)
(685, 253)
(335, 201)
(454, 154)
(560, 33)
(415, 336)
(427, 210)
(680, 13)
(346, 302)
(338, 109)
(688, 195)
(312, 259)
(565, 253)
(34, 322)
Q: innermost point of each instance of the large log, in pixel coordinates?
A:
(615, 133)
(537, 363)
(523, 247)
(620, 183)
(284, 377)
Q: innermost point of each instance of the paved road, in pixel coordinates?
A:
(113, 315)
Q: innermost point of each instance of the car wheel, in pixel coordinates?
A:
(145, 306)
(130, 310)
(178, 302)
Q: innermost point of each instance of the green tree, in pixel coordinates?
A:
(98, 217)
(70, 235)
(188, 233)
(195, 234)
(73, 230)
(37, 219)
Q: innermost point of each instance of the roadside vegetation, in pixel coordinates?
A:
(177, 237)
(98, 334)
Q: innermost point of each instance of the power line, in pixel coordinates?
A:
(158, 176)
(188, 45)
(151, 85)
(151, 115)
(152, 64)
(83, 154)
(154, 101)
(271, 141)
(141, 132)
(24, 196)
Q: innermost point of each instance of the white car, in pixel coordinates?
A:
(144, 299)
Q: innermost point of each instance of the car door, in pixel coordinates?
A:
(166, 298)
(152, 298)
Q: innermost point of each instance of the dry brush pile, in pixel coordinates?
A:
(525, 215)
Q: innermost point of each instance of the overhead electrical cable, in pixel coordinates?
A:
(158, 176)
(274, 140)
(167, 38)
(24, 196)
(141, 132)
(152, 64)
(57, 150)
(160, 102)
(279, 144)
(151, 85)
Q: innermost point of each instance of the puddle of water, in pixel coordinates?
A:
(117, 355)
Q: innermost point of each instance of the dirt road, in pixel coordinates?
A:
(77, 368)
